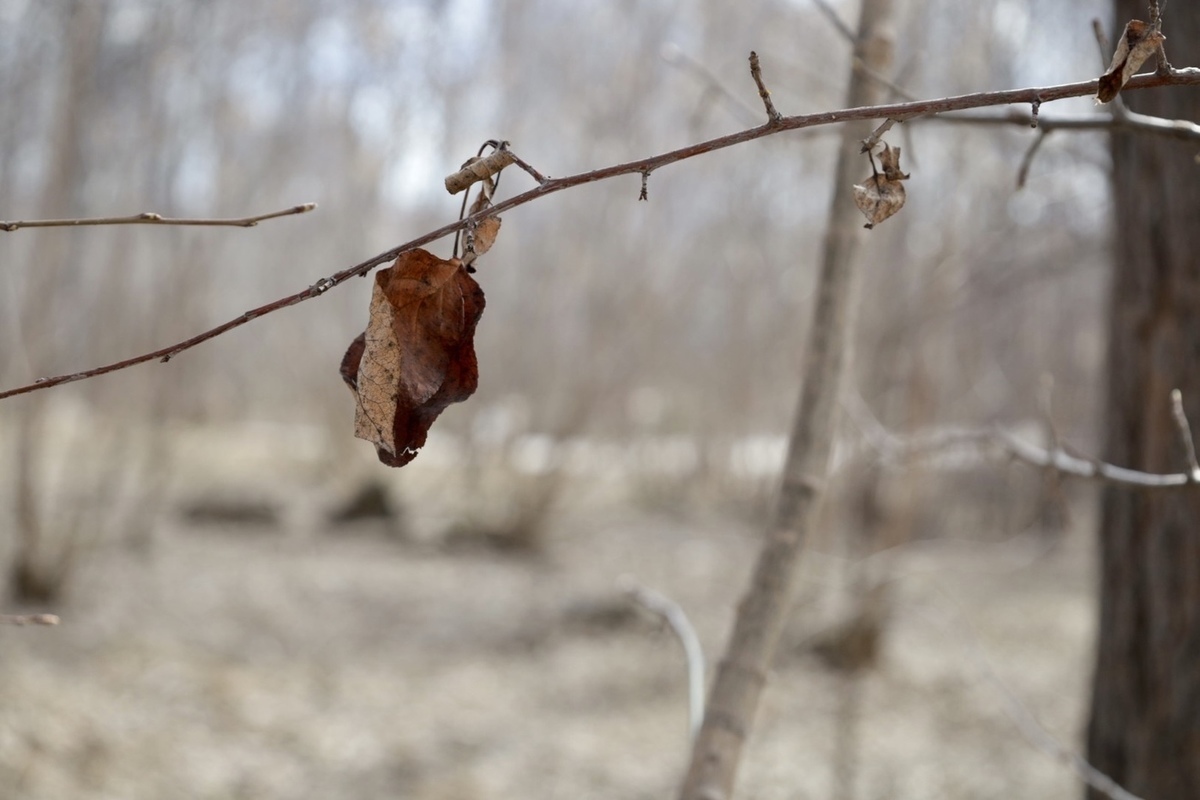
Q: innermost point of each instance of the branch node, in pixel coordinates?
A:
(520, 162)
(872, 141)
(1034, 107)
(644, 194)
(773, 116)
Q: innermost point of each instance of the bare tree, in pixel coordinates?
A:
(1146, 693)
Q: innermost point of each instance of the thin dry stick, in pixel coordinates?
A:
(1027, 161)
(1137, 123)
(902, 112)
(1031, 729)
(902, 449)
(29, 619)
(756, 73)
(663, 606)
(676, 56)
(742, 673)
(1185, 434)
(151, 218)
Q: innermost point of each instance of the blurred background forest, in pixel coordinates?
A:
(639, 366)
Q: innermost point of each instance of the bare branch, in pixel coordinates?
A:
(756, 73)
(1000, 443)
(29, 619)
(901, 112)
(676, 56)
(1181, 129)
(533, 173)
(1185, 434)
(1027, 160)
(663, 606)
(834, 19)
(1035, 734)
(871, 141)
(151, 218)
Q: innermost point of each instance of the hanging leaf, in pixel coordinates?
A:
(881, 195)
(1139, 41)
(417, 355)
(482, 236)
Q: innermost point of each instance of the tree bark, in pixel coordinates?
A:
(1144, 730)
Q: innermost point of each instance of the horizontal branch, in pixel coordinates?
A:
(28, 619)
(895, 448)
(151, 218)
(900, 112)
(1128, 121)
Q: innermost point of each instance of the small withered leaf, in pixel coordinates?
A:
(1139, 41)
(417, 355)
(882, 194)
(483, 236)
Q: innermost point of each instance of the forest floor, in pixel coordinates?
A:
(242, 662)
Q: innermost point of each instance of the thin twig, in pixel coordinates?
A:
(756, 73)
(676, 56)
(858, 64)
(663, 606)
(834, 19)
(940, 441)
(29, 619)
(871, 141)
(1185, 434)
(151, 218)
(1102, 42)
(1181, 129)
(898, 111)
(520, 162)
(1031, 729)
(1027, 160)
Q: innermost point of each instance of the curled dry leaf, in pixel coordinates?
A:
(417, 355)
(478, 169)
(881, 195)
(482, 236)
(1139, 41)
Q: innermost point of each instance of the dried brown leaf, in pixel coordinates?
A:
(1139, 41)
(417, 355)
(481, 238)
(882, 194)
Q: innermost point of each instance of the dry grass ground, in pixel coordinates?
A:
(234, 664)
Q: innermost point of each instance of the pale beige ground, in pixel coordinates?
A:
(225, 664)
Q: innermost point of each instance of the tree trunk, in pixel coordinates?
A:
(1145, 725)
(742, 674)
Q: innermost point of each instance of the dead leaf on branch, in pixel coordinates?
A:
(881, 195)
(480, 237)
(417, 355)
(1139, 41)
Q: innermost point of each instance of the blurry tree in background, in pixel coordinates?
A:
(1145, 725)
